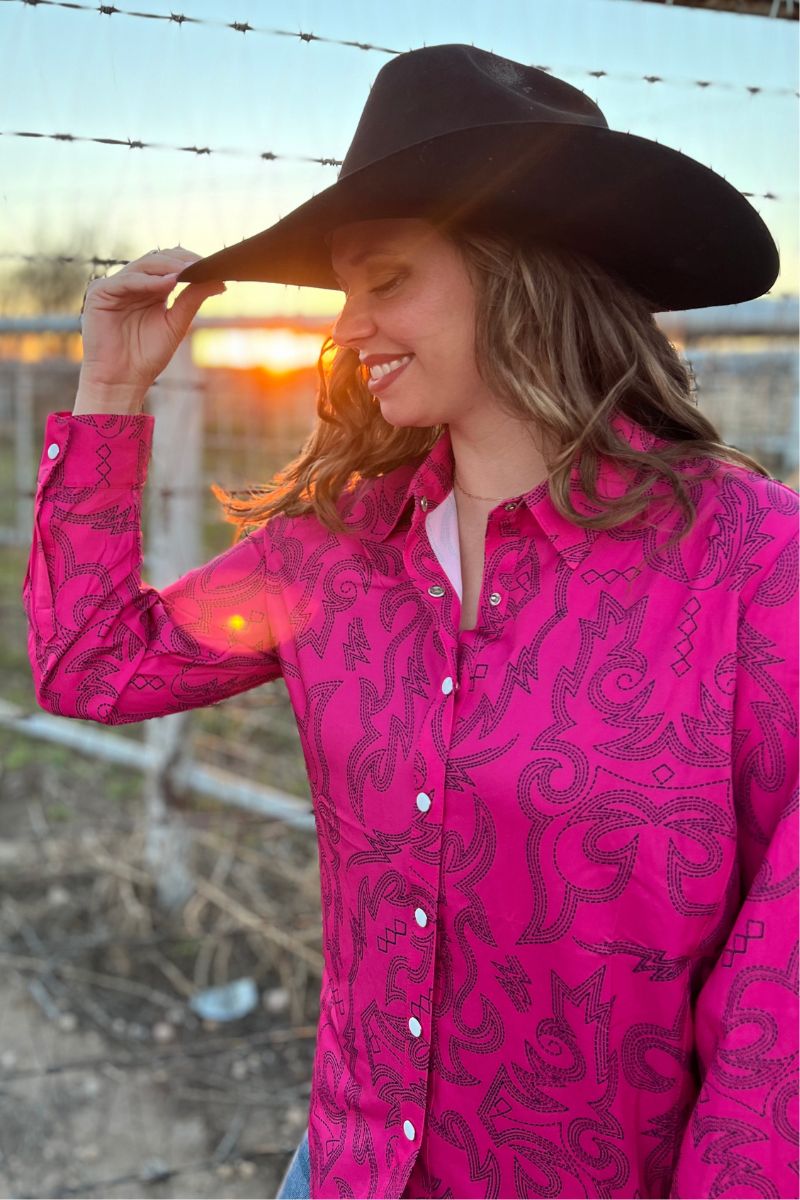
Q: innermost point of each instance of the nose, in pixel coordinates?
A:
(354, 326)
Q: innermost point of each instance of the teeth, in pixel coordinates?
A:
(381, 369)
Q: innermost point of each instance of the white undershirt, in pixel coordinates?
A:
(442, 528)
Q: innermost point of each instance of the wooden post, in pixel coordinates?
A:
(24, 455)
(173, 547)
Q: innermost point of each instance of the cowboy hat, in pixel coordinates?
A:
(454, 133)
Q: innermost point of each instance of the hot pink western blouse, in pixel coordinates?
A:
(558, 851)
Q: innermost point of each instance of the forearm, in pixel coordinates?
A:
(104, 645)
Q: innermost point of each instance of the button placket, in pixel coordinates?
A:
(426, 807)
(503, 565)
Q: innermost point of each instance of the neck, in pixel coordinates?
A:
(495, 459)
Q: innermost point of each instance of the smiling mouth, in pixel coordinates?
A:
(378, 370)
(386, 379)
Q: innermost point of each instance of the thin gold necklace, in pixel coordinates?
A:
(472, 494)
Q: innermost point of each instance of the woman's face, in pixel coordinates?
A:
(412, 296)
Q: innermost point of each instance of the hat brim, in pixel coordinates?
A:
(667, 225)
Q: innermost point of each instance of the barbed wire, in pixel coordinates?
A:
(266, 155)
(138, 144)
(110, 10)
(96, 261)
(64, 259)
(244, 27)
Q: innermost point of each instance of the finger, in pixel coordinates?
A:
(156, 266)
(157, 260)
(127, 279)
(181, 251)
(184, 308)
(132, 283)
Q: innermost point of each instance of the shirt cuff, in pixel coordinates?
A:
(105, 450)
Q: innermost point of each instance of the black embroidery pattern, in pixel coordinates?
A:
(558, 856)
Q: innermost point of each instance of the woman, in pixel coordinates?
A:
(538, 626)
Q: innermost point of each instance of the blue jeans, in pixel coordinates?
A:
(296, 1184)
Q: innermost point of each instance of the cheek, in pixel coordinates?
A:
(444, 335)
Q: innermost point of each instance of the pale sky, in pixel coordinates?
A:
(80, 72)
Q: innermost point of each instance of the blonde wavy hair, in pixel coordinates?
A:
(560, 341)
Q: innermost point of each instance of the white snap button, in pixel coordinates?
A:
(409, 1130)
(421, 917)
(54, 450)
(447, 685)
(424, 503)
(509, 507)
(436, 590)
(495, 598)
(423, 801)
(414, 1026)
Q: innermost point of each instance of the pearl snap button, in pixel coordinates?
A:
(424, 503)
(509, 507)
(436, 590)
(423, 801)
(409, 1130)
(414, 1026)
(421, 917)
(495, 598)
(54, 450)
(447, 685)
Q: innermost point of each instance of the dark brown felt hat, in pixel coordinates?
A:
(453, 133)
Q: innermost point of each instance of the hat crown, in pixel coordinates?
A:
(461, 136)
(438, 90)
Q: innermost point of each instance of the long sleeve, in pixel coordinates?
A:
(104, 646)
(741, 1136)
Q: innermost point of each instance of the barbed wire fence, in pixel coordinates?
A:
(94, 915)
(244, 27)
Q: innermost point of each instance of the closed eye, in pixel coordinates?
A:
(385, 287)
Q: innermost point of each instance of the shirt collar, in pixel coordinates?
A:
(375, 507)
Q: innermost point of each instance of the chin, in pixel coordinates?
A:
(403, 413)
(403, 420)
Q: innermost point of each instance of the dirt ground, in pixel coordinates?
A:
(110, 1083)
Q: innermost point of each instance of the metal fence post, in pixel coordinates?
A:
(174, 546)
